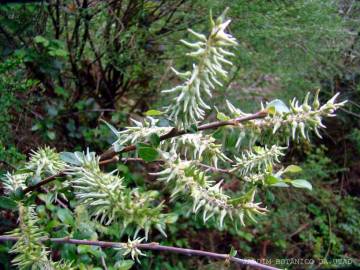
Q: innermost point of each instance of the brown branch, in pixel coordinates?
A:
(110, 156)
(155, 247)
(44, 182)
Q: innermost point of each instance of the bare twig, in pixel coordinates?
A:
(155, 247)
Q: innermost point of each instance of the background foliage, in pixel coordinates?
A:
(67, 64)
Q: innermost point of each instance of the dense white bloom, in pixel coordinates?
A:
(12, 182)
(261, 159)
(297, 120)
(210, 55)
(31, 253)
(140, 132)
(45, 160)
(199, 146)
(185, 178)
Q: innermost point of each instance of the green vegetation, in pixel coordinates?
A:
(74, 73)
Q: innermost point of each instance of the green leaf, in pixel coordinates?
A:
(163, 122)
(58, 53)
(7, 203)
(96, 251)
(271, 180)
(233, 252)
(41, 40)
(147, 152)
(51, 135)
(154, 139)
(270, 196)
(47, 198)
(278, 105)
(171, 218)
(274, 181)
(271, 110)
(111, 127)
(36, 127)
(124, 265)
(193, 128)
(65, 216)
(61, 92)
(301, 183)
(69, 158)
(19, 194)
(258, 149)
(292, 169)
(153, 113)
(222, 117)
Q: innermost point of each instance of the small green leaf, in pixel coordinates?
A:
(258, 149)
(47, 198)
(19, 194)
(171, 218)
(301, 183)
(51, 135)
(154, 139)
(7, 203)
(271, 180)
(270, 196)
(233, 252)
(86, 249)
(163, 122)
(41, 40)
(69, 158)
(274, 181)
(147, 152)
(58, 53)
(124, 265)
(222, 117)
(61, 92)
(271, 110)
(153, 113)
(35, 127)
(292, 169)
(193, 128)
(280, 184)
(65, 216)
(111, 127)
(278, 105)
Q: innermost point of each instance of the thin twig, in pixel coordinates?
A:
(44, 182)
(152, 246)
(214, 169)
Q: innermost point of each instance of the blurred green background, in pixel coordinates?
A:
(64, 65)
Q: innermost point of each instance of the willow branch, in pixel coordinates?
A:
(110, 156)
(175, 132)
(63, 173)
(152, 246)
